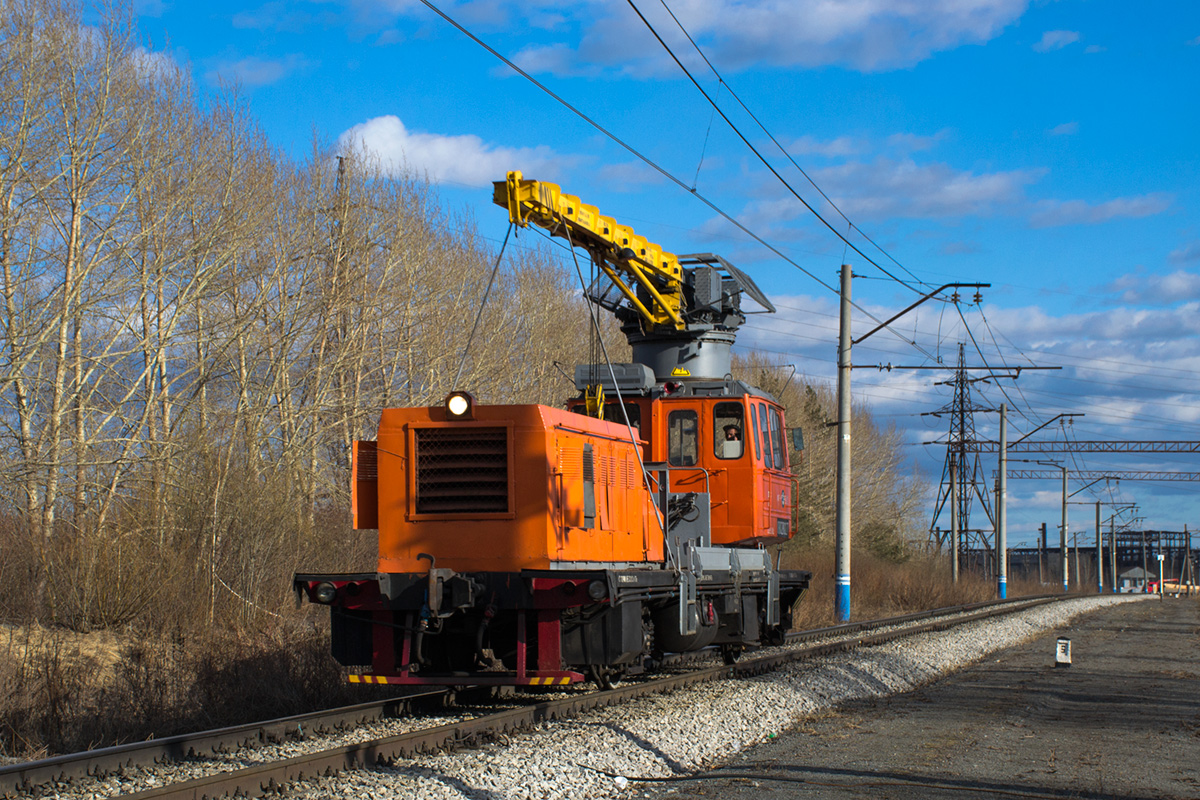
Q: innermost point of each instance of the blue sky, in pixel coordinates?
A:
(1047, 148)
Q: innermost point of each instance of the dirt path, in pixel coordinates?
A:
(1123, 721)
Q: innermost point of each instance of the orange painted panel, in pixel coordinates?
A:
(446, 489)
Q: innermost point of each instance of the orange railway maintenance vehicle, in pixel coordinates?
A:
(530, 545)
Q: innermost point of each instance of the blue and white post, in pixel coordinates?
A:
(1002, 509)
(1112, 549)
(841, 600)
(1062, 541)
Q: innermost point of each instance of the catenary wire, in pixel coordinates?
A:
(721, 82)
(661, 170)
(679, 183)
(759, 155)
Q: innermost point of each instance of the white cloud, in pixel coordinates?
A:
(1094, 48)
(1194, 42)
(1056, 40)
(1053, 213)
(149, 8)
(889, 189)
(254, 71)
(1145, 289)
(277, 16)
(1066, 129)
(867, 35)
(151, 66)
(555, 59)
(462, 159)
(1132, 372)
(1189, 252)
(845, 146)
(912, 143)
(1119, 333)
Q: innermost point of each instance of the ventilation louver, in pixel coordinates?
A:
(462, 471)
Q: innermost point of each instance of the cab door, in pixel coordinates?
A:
(775, 483)
(731, 462)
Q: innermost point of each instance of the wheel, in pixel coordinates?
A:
(730, 653)
(604, 677)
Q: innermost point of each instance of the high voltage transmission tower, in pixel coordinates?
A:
(963, 479)
(962, 468)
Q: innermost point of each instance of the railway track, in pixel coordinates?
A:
(254, 780)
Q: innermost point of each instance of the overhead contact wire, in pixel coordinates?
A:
(660, 170)
(983, 358)
(742, 136)
(782, 149)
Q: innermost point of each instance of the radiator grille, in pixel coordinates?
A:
(462, 470)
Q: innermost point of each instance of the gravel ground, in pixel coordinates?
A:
(690, 729)
(1122, 722)
(141, 778)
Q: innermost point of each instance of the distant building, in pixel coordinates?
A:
(1134, 580)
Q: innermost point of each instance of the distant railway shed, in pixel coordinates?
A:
(1134, 550)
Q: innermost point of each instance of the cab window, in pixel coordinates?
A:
(683, 432)
(758, 453)
(612, 413)
(777, 448)
(729, 430)
(766, 435)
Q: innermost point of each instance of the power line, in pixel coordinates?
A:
(652, 164)
(1100, 474)
(1054, 357)
(754, 149)
(978, 350)
(722, 82)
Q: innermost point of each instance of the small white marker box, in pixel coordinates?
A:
(1062, 652)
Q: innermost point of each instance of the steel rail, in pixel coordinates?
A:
(108, 760)
(851, 627)
(269, 777)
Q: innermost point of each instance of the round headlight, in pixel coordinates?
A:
(325, 593)
(460, 405)
(597, 590)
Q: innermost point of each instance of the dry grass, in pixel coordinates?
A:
(883, 588)
(62, 692)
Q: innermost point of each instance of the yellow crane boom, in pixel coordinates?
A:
(625, 257)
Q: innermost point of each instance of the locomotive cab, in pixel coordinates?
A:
(731, 448)
(725, 441)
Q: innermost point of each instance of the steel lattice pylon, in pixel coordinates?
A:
(962, 460)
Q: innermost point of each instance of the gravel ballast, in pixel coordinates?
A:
(691, 729)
